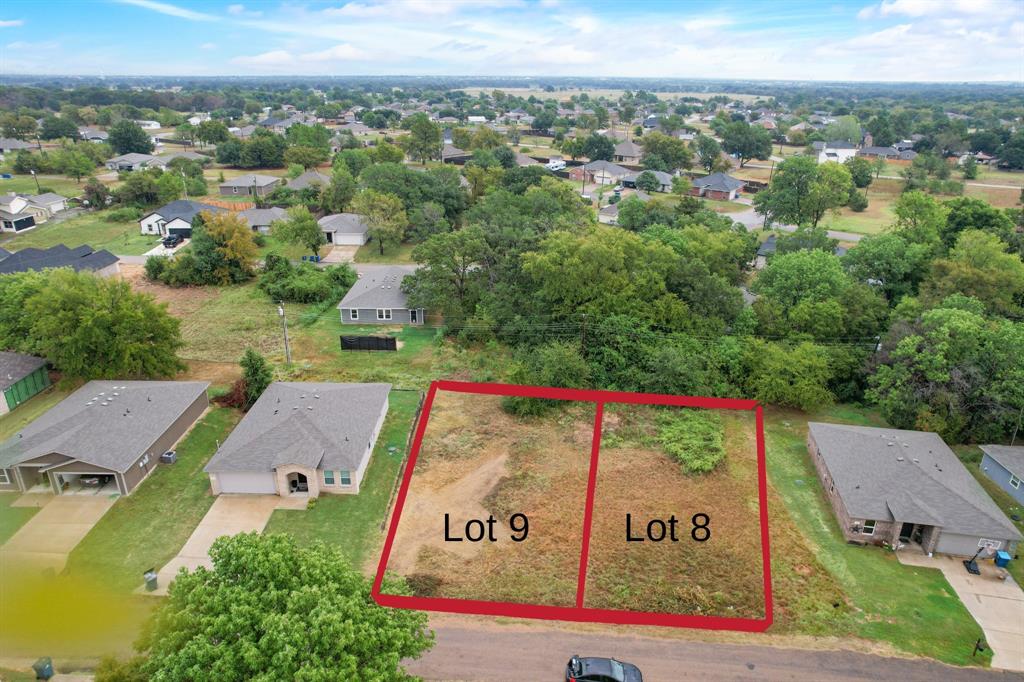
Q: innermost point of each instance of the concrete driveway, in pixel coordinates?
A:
(161, 250)
(229, 515)
(997, 605)
(341, 253)
(48, 537)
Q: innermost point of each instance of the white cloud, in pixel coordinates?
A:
(285, 58)
(399, 8)
(924, 8)
(344, 51)
(8, 23)
(170, 10)
(208, 46)
(272, 58)
(706, 23)
(582, 23)
(240, 10)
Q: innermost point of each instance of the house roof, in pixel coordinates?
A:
(4, 253)
(10, 143)
(524, 160)
(607, 166)
(318, 425)
(104, 423)
(344, 223)
(132, 158)
(718, 182)
(308, 179)
(59, 256)
(184, 209)
(767, 247)
(256, 217)
(1010, 457)
(250, 179)
(378, 288)
(171, 156)
(878, 151)
(627, 148)
(663, 177)
(16, 366)
(839, 144)
(907, 476)
(450, 150)
(44, 198)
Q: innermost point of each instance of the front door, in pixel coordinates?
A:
(297, 483)
(906, 531)
(412, 315)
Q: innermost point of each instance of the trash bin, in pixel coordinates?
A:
(43, 668)
(1002, 559)
(150, 578)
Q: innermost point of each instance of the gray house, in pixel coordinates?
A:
(309, 179)
(260, 219)
(345, 228)
(252, 184)
(905, 489)
(302, 439)
(1005, 465)
(106, 437)
(377, 297)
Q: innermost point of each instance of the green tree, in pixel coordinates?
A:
(557, 364)
(256, 375)
(169, 186)
(671, 153)
(450, 279)
(307, 157)
(96, 193)
(708, 152)
(979, 266)
(598, 147)
(55, 128)
(212, 132)
(890, 262)
(746, 142)
(383, 152)
(802, 191)
(18, 127)
(126, 137)
(805, 238)
(844, 128)
(424, 140)
(385, 217)
(93, 327)
(316, 609)
(648, 182)
(967, 213)
(795, 376)
(76, 164)
(339, 191)
(920, 219)
(860, 171)
(969, 168)
(355, 160)
(224, 248)
(301, 228)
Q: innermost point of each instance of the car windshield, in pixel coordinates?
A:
(617, 672)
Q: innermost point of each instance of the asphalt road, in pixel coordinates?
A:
(468, 653)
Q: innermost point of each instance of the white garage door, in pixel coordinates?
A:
(350, 239)
(247, 482)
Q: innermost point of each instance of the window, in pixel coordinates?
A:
(383, 313)
(353, 314)
(869, 527)
(4, 478)
(328, 477)
(1015, 482)
(346, 477)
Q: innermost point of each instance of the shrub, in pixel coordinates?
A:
(557, 364)
(858, 201)
(123, 215)
(304, 283)
(694, 438)
(155, 268)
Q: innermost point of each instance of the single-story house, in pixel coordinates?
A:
(905, 489)
(107, 435)
(345, 228)
(837, 151)
(80, 258)
(766, 249)
(309, 179)
(451, 154)
(600, 172)
(889, 153)
(628, 152)
(356, 128)
(93, 134)
(175, 218)
(20, 212)
(302, 439)
(8, 144)
(523, 160)
(1004, 464)
(21, 377)
(609, 215)
(377, 297)
(148, 125)
(130, 162)
(243, 132)
(260, 219)
(163, 160)
(251, 183)
(664, 180)
(718, 186)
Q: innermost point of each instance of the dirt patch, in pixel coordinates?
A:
(223, 373)
(475, 461)
(180, 302)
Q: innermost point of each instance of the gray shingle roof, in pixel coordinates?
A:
(308, 179)
(105, 423)
(250, 179)
(16, 366)
(319, 425)
(184, 209)
(607, 166)
(718, 182)
(628, 148)
(907, 476)
(343, 223)
(12, 144)
(1012, 458)
(257, 217)
(662, 177)
(132, 158)
(378, 287)
(80, 258)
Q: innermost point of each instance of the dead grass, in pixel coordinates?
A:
(1000, 198)
(476, 460)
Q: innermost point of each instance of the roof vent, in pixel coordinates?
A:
(890, 444)
(317, 396)
(917, 461)
(275, 411)
(309, 407)
(899, 459)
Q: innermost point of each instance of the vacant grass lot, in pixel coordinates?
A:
(914, 609)
(353, 522)
(876, 217)
(147, 528)
(370, 253)
(24, 184)
(998, 197)
(120, 238)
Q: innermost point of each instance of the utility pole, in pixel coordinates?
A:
(284, 325)
(184, 183)
(36, 178)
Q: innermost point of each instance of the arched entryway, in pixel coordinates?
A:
(297, 483)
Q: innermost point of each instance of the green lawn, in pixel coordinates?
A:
(24, 184)
(121, 238)
(147, 528)
(370, 253)
(725, 206)
(12, 518)
(289, 251)
(28, 411)
(912, 608)
(353, 522)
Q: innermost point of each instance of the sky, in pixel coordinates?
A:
(846, 40)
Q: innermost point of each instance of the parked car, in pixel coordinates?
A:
(172, 240)
(555, 165)
(591, 669)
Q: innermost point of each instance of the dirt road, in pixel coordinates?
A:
(471, 653)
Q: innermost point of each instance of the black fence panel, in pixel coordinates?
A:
(369, 343)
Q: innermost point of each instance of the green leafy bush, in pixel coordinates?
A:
(305, 282)
(694, 438)
(123, 214)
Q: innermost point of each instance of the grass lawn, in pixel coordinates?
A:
(24, 184)
(147, 528)
(353, 522)
(1000, 198)
(12, 518)
(121, 238)
(881, 195)
(725, 206)
(289, 251)
(370, 253)
(914, 609)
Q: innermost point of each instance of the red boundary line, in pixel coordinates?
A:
(579, 613)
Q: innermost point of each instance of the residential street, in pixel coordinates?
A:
(753, 221)
(471, 652)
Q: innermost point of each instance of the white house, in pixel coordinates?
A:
(838, 151)
(174, 218)
(20, 212)
(345, 228)
(476, 119)
(148, 125)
